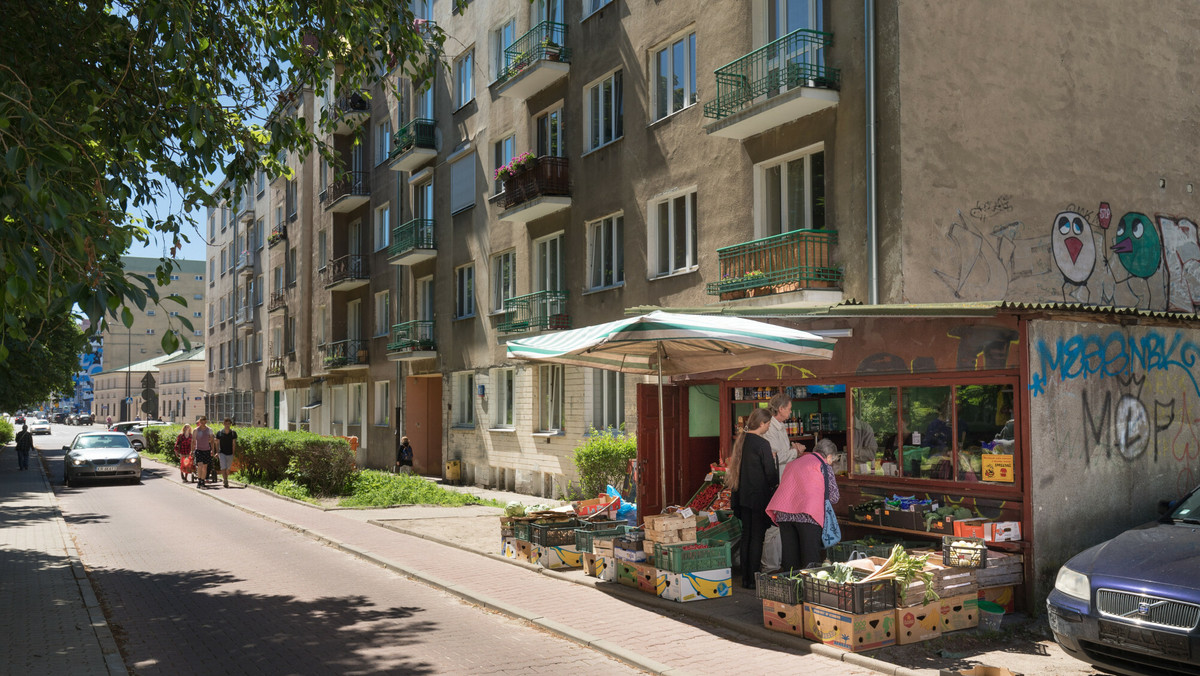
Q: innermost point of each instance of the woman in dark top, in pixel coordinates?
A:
(751, 475)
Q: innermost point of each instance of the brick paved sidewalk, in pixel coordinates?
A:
(52, 623)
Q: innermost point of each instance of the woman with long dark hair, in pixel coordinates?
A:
(751, 476)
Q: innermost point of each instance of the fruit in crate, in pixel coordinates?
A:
(705, 497)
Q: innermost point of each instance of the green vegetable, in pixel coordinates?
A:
(514, 509)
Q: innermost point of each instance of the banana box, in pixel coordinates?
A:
(958, 612)
(508, 548)
(854, 633)
(559, 557)
(697, 586)
(589, 564)
(1001, 596)
(606, 568)
(784, 617)
(918, 623)
(524, 550)
(627, 573)
(647, 578)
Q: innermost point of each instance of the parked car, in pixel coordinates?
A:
(1131, 605)
(39, 426)
(101, 455)
(137, 435)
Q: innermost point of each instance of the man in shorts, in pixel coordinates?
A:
(202, 439)
(227, 444)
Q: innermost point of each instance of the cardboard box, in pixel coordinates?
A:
(558, 557)
(627, 574)
(632, 556)
(524, 550)
(589, 564)
(959, 612)
(942, 526)
(918, 623)
(783, 617)
(854, 633)
(1001, 596)
(647, 578)
(1002, 531)
(508, 548)
(602, 503)
(969, 528)
(896, 518)
(697, 586)
(606, 568)
(603, 547)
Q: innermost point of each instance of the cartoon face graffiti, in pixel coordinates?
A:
(1073, 246)
(1138, 245)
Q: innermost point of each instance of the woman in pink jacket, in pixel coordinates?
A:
(798, 506)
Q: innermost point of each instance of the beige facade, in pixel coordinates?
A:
(181, 386)
(113, 387)
(143, 340)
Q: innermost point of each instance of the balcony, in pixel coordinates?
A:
(346, 354)
(243, 320)
(245, 264)
(278, 302)
(541, 310)
(793, 261)
(347, 193)
(534, 61)
(536, 192)
(275, 368)
(246, 215)
(412, 340)
(412, 242)
(773, 85)
(350, 111)
(414, 145)
(278, 234)
(345, 273)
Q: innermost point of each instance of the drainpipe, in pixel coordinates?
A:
(869, 80)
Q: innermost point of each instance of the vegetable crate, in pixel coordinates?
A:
(692, 558)
(781, 588)
(520, 528)
(963, 552)
(584, 537)
(553, 534)
(704, 497)
(725, 531)
(602, 525)
(845, 551)
(853, 597)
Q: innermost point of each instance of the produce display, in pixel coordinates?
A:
(705, 496)
(905, 568)
(964, 552)
(957, 513)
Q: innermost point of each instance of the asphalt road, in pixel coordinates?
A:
(191, 585)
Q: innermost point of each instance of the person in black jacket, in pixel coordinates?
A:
(751, 476)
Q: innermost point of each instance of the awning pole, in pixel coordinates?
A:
(662, 436)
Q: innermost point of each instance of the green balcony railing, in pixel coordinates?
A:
(419, 133)
(538, 310)
(545, 41)
(412, 336)
(794, 60)
(794, 260)
(415, 234)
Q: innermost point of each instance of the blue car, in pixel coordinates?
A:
(1131, 605)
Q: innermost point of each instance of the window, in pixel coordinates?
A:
(462, 184)
(550, 142)
(464, 400)
(262, 182)
(322, 323)
(606, 239)
(173, 313)
(223, 266)
(258, 290)
(502, 153)
(322, 249)
(548, 262)
(198, 296)
(675, 77)
(260, 228)
(605, 110)
(199, 278)
(383, 222)
(502, 39)
(383, 404)
(608, 399)
(422, 206)
(504, 279)
(357, 391)
(149, 313)
(464, 78)
(338, 414)
(197, 332)
(424, 104)
(503, 389)
(212, 225)
(197, 314)
(550, 397)
(291, 266)
(383, 141)
(590, 7)
(464, 291)
(424, 298)
(212, 269)
(291, 191)
(793, 193)
(149, 332)
(258, 352)
(383, 313)
(673, 235)
(291, 335)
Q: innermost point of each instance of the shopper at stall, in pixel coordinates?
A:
(798, 506)
(752, 477)
(784, 451)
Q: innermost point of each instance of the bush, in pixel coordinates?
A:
(291, 489)
(372, 488)
(603, 459)
(6, 432)
(160, 440)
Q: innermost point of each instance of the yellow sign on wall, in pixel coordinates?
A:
(998, 468)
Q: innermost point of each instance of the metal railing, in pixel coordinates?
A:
(538, 310)
(278, 301)
(545, 41)
(278, 234)
(276, 366)
(412, 336)
(347, 267)
(415, 234)
(794, 260)
(346, 353)
(356, 183)
(353, 102)
(794, 60)
(244, 314)
(549, 176)
(244, 260)
(419, 133)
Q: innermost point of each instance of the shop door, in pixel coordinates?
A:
(423, 423)
(649, 494)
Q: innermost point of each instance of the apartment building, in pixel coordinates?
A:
(143, 340)
(181, 386)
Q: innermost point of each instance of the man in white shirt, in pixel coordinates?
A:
(784, 451)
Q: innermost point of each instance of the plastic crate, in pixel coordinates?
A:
(630, 541)
(553, 534)
(845, 551)
(678, 559)
(521, 528)
(974, 555)
(584, 537)
(725, 531)
(706, 486)
(856, 598)
(601, 525)
(781, 588)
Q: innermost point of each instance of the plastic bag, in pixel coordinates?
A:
(614, 493)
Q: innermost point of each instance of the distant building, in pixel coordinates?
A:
(142, 341)
(181, 386)
(114, 386)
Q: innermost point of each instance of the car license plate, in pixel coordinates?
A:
(1147, 640)
(106, 468)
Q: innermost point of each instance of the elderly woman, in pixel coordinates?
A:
(798, 506)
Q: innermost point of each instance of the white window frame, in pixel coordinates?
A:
(424, 300)
(606, 248)
(691, 236)
(545, 279)
(464, 291)
(499, 59)
(383, 141)
(550, 397)
(383, 403)
(354, 402)
(504, 382)
(383, 313)
(338, 415)
(590, 7)
(611, 122)
(504, 278)
(464, 399)
(763, 228)
(665, 56)
(464, 78)
(502, 153)
(383, 222)
(548, 144)
(607, 413)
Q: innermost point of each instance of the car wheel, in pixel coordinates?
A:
(67, 480)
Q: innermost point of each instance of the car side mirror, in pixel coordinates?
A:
(66, 448)
(1165, 507)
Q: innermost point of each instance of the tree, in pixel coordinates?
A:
(107, 108)
(44, 364)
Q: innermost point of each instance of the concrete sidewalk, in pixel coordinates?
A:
(52, 622)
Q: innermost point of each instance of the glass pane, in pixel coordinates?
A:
(619, 249)
(594, 103)
(508, 397)
(606, 105)
(795, 195)
(660, 74)
(691, 68)
(874, 429)
(597, 255)
(664, 233)
(817, 190)
(678, 75)
(773, 178)
(798, 12)
(619, 107)
(556, 145)
(928, 439)
(680, 227)
(986, 430)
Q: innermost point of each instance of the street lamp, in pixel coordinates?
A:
(128, 363)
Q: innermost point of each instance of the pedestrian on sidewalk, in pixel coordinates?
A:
(24, 446)
(202, 438)
(227, 445)
(799, 505)
(784, 451)
(183, 449)
(752, 476)
(404, 457)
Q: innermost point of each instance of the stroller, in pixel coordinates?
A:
(187, 468)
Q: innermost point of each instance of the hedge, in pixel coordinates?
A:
(321, 464)
(6, 432)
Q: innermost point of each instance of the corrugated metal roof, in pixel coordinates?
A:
(855, 308)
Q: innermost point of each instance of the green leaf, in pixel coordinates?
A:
(127, 317)
(169, 342)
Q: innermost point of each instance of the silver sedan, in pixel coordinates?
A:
(101, 455)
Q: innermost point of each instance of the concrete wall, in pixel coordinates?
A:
(1115, 425)
(1013, 115)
